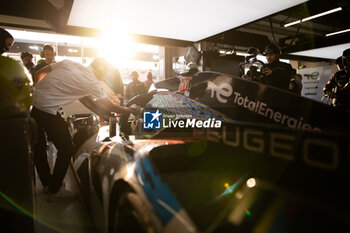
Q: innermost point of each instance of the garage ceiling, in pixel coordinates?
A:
(308, 35)
(180, 23)
(185, 20)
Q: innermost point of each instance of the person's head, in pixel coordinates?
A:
(134, 76)
(40, 62)
(339, 63)
(6, 41)
(49, 53)
(149, 76)
(272, 53)
(101, 67)
(26, 57)
(346, 59)
(295, 75)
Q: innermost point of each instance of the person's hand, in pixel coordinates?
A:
(267, 71)
(331, 94)
(135, 111)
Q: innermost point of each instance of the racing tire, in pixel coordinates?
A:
(130, 216)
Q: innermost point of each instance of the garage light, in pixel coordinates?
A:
(181, 19)
(34, 47)
(72, 50)
(227, 52)
(313, 17)
(338, 32)
(28, 36)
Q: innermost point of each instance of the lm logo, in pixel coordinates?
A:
(313, 76)
(151, 120)
(222, 91)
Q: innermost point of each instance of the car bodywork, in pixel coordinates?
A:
(252, 174)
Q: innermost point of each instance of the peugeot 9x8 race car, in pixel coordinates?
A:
(216, 153)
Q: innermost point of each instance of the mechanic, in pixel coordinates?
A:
(149, 80)
(6, 41)
(135, 87)
(26, 58)
(49, 54)
(338, 87)
(278, 74)
(115, 84)
(63, 83)
(295, 84)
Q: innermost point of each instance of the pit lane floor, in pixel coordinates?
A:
(61, 216)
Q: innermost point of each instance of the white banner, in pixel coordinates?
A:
(314, 79)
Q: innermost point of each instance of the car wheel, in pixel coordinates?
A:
(128, 216)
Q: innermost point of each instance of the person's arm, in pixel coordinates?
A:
(100, 110)
(328, 88)
(40, 74)
(267, 71)
(116, 108)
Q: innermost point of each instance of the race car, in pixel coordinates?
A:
(212, 153)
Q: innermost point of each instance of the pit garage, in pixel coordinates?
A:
(216, 116)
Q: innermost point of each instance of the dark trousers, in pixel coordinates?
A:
(56, 129)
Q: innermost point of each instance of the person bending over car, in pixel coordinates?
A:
(60, 84)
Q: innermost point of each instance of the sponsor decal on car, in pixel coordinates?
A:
(184, 84)
(264, 110)
(221, 91)
(225, 92)
(316, 150)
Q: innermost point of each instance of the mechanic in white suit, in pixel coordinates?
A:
(60, 84)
